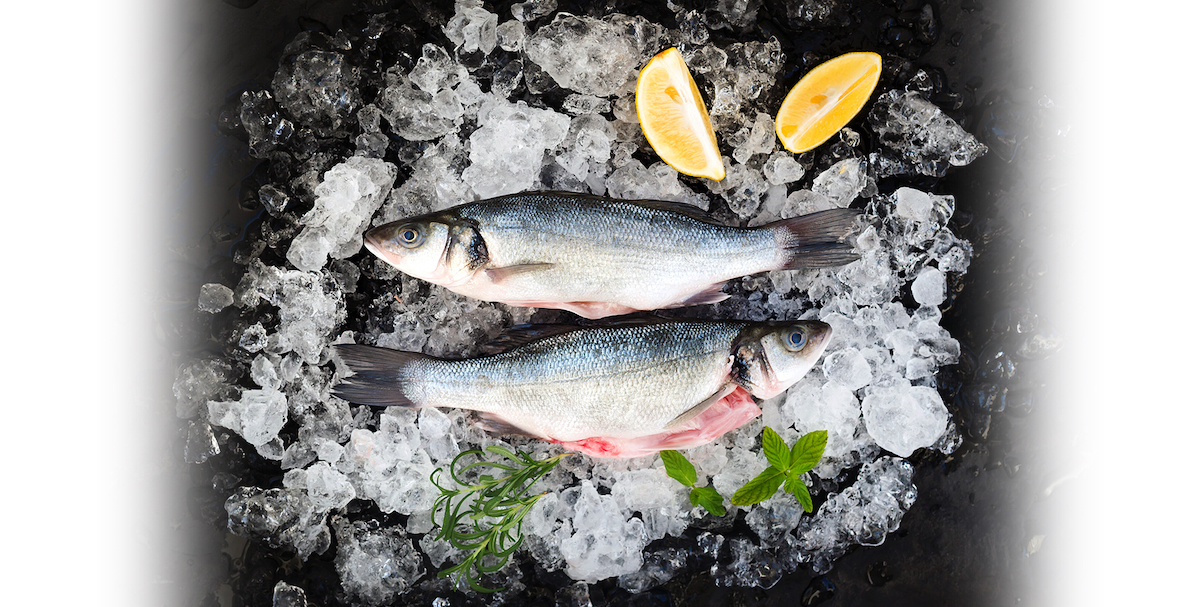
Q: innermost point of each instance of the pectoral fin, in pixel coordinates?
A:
(690, 414)
(711, 295)
(498, 425)
(499, 275)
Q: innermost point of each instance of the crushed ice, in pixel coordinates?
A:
(874, 392)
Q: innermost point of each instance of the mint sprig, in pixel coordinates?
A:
(679, 468)
(786, 466)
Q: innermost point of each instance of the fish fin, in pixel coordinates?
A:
(818, 240)
(682, 208)
(710, 295)
(729, 413)
(377, 375)
(497, 275)
(683, 418)
(498, 425)
(592, 310)
(519, 335)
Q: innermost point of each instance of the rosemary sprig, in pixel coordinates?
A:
(483, 516)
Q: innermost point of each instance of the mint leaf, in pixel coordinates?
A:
(678, 467)
(775, 449)
(808, 451)
(709, 499)
(760, 488)
(798, 489)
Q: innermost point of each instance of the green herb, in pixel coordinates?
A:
(785, 468)
(680, 469)
(483, 516)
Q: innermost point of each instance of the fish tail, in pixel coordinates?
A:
(818, 240)
(378, 375)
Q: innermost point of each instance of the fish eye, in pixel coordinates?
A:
(410, 236)
(795, 339)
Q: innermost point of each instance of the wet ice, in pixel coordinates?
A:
(873, 392)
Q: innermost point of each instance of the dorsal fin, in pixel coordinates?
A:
(519, 335)
(682, 208)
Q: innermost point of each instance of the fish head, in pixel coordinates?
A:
(436, 248)
(773, 356)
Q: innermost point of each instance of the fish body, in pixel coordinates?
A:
(619, 391)
(599, 257)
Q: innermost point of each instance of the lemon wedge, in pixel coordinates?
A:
(674, 119)
(826, 99)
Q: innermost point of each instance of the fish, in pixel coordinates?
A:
(627, 389)
(600, 257)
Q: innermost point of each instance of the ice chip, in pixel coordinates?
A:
(317, 87)
(925, 137)
(593, 56)
(472, 29)
(532, 9)
(201, 443)
(929, 288)
(904, 418)
(287, 595)
(913, 204)
(847, 367)
(257, 417)
(842, 182)
(347, 197)
(863, 513)
(605, 542)
(507, 152)
(375, 566)
(327, 487)
(781, 168)
(510, 35)
(214, 297)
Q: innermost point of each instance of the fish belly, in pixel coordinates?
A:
(610, 259)
(614, 386)
(729, 413)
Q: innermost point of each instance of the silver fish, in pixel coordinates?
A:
(598, 257)
(618, 391)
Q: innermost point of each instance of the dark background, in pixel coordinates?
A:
(983, 529)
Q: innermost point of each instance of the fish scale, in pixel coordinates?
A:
(632, 388)
(599, 257)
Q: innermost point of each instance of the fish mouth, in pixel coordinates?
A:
(821, 336)
(372, 241)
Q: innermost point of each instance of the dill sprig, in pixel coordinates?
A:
(483, 516)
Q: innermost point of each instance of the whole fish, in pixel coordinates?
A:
(619, 391)
(598, 257)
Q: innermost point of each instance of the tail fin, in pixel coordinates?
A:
(819, 240)
(378, 375)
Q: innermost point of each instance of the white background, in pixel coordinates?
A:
(86, 102)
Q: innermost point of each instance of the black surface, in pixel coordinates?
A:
(965, 540)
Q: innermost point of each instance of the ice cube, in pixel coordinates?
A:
(375, 566)
(507, 151)
(925, 137)
(929, 288)
(287, 595)
(317, 86)
(904, 418)
(472, 28)
(257, 417)
(593, 56)
(349, 194)
(510, 35)
(842, 182)
(847, 367)
(781, 168)
(214, 297)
